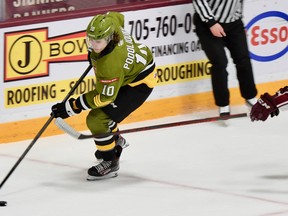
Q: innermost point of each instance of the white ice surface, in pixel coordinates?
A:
(202, 169)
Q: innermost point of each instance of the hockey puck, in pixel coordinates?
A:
(3, 203)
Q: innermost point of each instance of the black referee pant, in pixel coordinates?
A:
(236, 42)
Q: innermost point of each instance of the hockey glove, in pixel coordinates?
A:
(264, 107)
(65, 110)
(281, 97)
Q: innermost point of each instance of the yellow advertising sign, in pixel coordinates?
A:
(183, 72)
(45, 92)
(56, 91)
(28, 53)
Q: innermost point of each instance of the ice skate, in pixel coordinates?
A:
(103, 170)
(224, 113)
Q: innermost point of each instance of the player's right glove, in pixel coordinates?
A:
(65, 110)
(264, 107)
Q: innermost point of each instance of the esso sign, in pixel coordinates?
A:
(268, 36)
(263, 36)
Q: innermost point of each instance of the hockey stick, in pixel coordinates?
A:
(72, 132)
(45, 126)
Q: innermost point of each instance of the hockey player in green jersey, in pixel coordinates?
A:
(125, 77)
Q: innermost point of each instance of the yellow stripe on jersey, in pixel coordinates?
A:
(106, 147)
(115, 129)
(150, 80)
(99, 103)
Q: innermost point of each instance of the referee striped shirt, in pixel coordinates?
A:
(222, 11)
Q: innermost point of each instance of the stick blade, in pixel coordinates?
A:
(61, 124)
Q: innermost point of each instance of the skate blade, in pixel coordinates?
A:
(98, 161)
(95, 178)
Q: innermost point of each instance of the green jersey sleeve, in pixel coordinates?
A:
(109, 79)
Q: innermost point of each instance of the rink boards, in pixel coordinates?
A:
(29, 89)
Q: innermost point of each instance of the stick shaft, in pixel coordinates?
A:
(72, 132)
(27, 150)
(44, 127)
(168, 125)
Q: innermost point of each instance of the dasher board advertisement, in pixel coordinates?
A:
(41, 62)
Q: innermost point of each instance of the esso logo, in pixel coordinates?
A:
(268, 36)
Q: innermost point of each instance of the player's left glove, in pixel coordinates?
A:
(65, 110)
(264, 107)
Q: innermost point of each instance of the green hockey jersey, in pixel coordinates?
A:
(119, 65)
